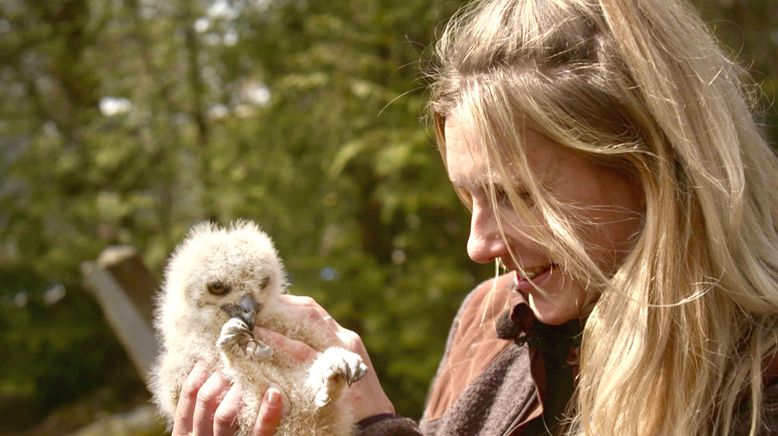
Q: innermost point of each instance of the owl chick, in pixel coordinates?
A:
(219, 284)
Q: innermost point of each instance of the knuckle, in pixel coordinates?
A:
(262, 430)
(308, 301)
(350, 339)
(300, 351)
(224, 418)
(190, 389)
(208, 395)
(268, 419)
(310, 308)
(189, 393)
(205, 401)
(314, 313)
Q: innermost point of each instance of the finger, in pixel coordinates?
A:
(299, 351)
(306, 308)
(352, 341)
(208, 398)
(269, 415)
(182, 422)
(225, 418)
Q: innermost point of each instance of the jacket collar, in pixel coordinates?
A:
(519, 324)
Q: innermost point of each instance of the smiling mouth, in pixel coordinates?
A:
(532, 277)
(531, 273)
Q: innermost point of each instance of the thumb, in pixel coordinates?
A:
(269, 416)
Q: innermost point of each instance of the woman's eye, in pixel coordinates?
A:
(502, 198)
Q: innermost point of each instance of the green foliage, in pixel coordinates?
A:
(52, 353)
(127, 121)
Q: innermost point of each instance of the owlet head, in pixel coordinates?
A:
(235, 269)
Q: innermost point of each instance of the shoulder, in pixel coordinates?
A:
(471, 348)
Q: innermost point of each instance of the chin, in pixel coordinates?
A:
(551, 312)
(561, 302)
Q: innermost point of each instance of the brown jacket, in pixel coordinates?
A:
(491, 386)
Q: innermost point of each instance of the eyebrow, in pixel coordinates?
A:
(483, 180)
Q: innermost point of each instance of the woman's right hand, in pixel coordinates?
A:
(209, 405)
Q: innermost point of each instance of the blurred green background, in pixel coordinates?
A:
(128, 121)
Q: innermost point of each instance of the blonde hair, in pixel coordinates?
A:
(679, 336)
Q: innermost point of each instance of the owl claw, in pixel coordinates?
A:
(334, 371)
(355, 374)
(238, 340)
(258, 350)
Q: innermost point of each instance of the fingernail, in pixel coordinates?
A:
(273, 397)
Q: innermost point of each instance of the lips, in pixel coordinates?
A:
(538, 275)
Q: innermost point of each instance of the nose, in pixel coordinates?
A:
(485, 242)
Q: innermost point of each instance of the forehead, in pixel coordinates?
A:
(466, 153)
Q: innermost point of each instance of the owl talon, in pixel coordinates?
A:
(235, 338)
(258, 350)
(334, 371)
(355, 374)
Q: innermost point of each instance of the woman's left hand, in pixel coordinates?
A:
(366, 397)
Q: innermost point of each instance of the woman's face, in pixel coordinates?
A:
(608, 208)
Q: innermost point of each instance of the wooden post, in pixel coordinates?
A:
(124, 289)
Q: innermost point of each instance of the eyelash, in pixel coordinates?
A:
(501, 196)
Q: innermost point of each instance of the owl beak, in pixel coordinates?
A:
(247, 310)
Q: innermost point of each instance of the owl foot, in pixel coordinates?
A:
(238, 340)
(332, 372)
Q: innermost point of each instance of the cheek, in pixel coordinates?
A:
(610, 230)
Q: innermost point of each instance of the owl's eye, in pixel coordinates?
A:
(218, 288)
(263, 283)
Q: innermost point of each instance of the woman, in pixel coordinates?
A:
(610, 161)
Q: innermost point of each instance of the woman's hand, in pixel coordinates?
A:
(365, 397)
(209, 405)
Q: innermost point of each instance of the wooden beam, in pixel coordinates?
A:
(124, 288)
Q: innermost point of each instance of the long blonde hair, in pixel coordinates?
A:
(680, 334)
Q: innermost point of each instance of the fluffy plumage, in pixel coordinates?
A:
(218, 283)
